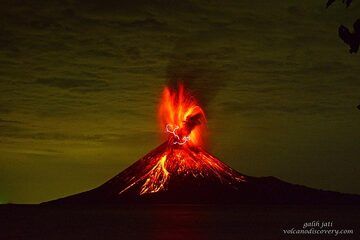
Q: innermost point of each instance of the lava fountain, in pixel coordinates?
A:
(181, 156)
(181, 171)
(181, 116)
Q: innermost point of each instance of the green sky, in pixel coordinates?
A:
(80, 82)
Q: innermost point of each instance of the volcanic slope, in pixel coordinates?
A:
(181, 171)
(175, 173)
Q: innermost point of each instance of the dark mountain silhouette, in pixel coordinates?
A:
(181, 171)
(351, 39)
(330, 2)
(192, 175)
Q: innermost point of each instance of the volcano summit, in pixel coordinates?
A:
(181, 171)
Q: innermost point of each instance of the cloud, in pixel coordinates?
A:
(285, 107)
(4, 109)
(74, 84)
(122, 139)
(200, 69)
(91, 72)
(149, 23)
(3, 121)
(296, 11)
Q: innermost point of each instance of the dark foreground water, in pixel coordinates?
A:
(175, 222)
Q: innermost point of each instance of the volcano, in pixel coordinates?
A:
(181, 171)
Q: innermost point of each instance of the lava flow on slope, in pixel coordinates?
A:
(181, 156)
(180, 166)
(181, 171)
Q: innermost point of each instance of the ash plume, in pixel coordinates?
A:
(203, 75)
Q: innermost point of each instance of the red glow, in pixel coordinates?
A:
(181, 156)
(181, 116)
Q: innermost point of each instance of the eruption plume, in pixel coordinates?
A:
(181, 155)
(181, 171)
(181, 116)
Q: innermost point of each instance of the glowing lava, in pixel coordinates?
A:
(181, 115)
(181, 156)
(181, 171)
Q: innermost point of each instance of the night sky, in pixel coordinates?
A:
(80, 82)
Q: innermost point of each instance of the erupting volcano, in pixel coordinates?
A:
(181, 156)
(181, 171)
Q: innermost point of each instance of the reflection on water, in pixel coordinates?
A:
(178, 222)
(160, 222)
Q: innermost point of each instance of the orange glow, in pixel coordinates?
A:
(182, 155)
(180, 111)
(171, 161)
(158, 178)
